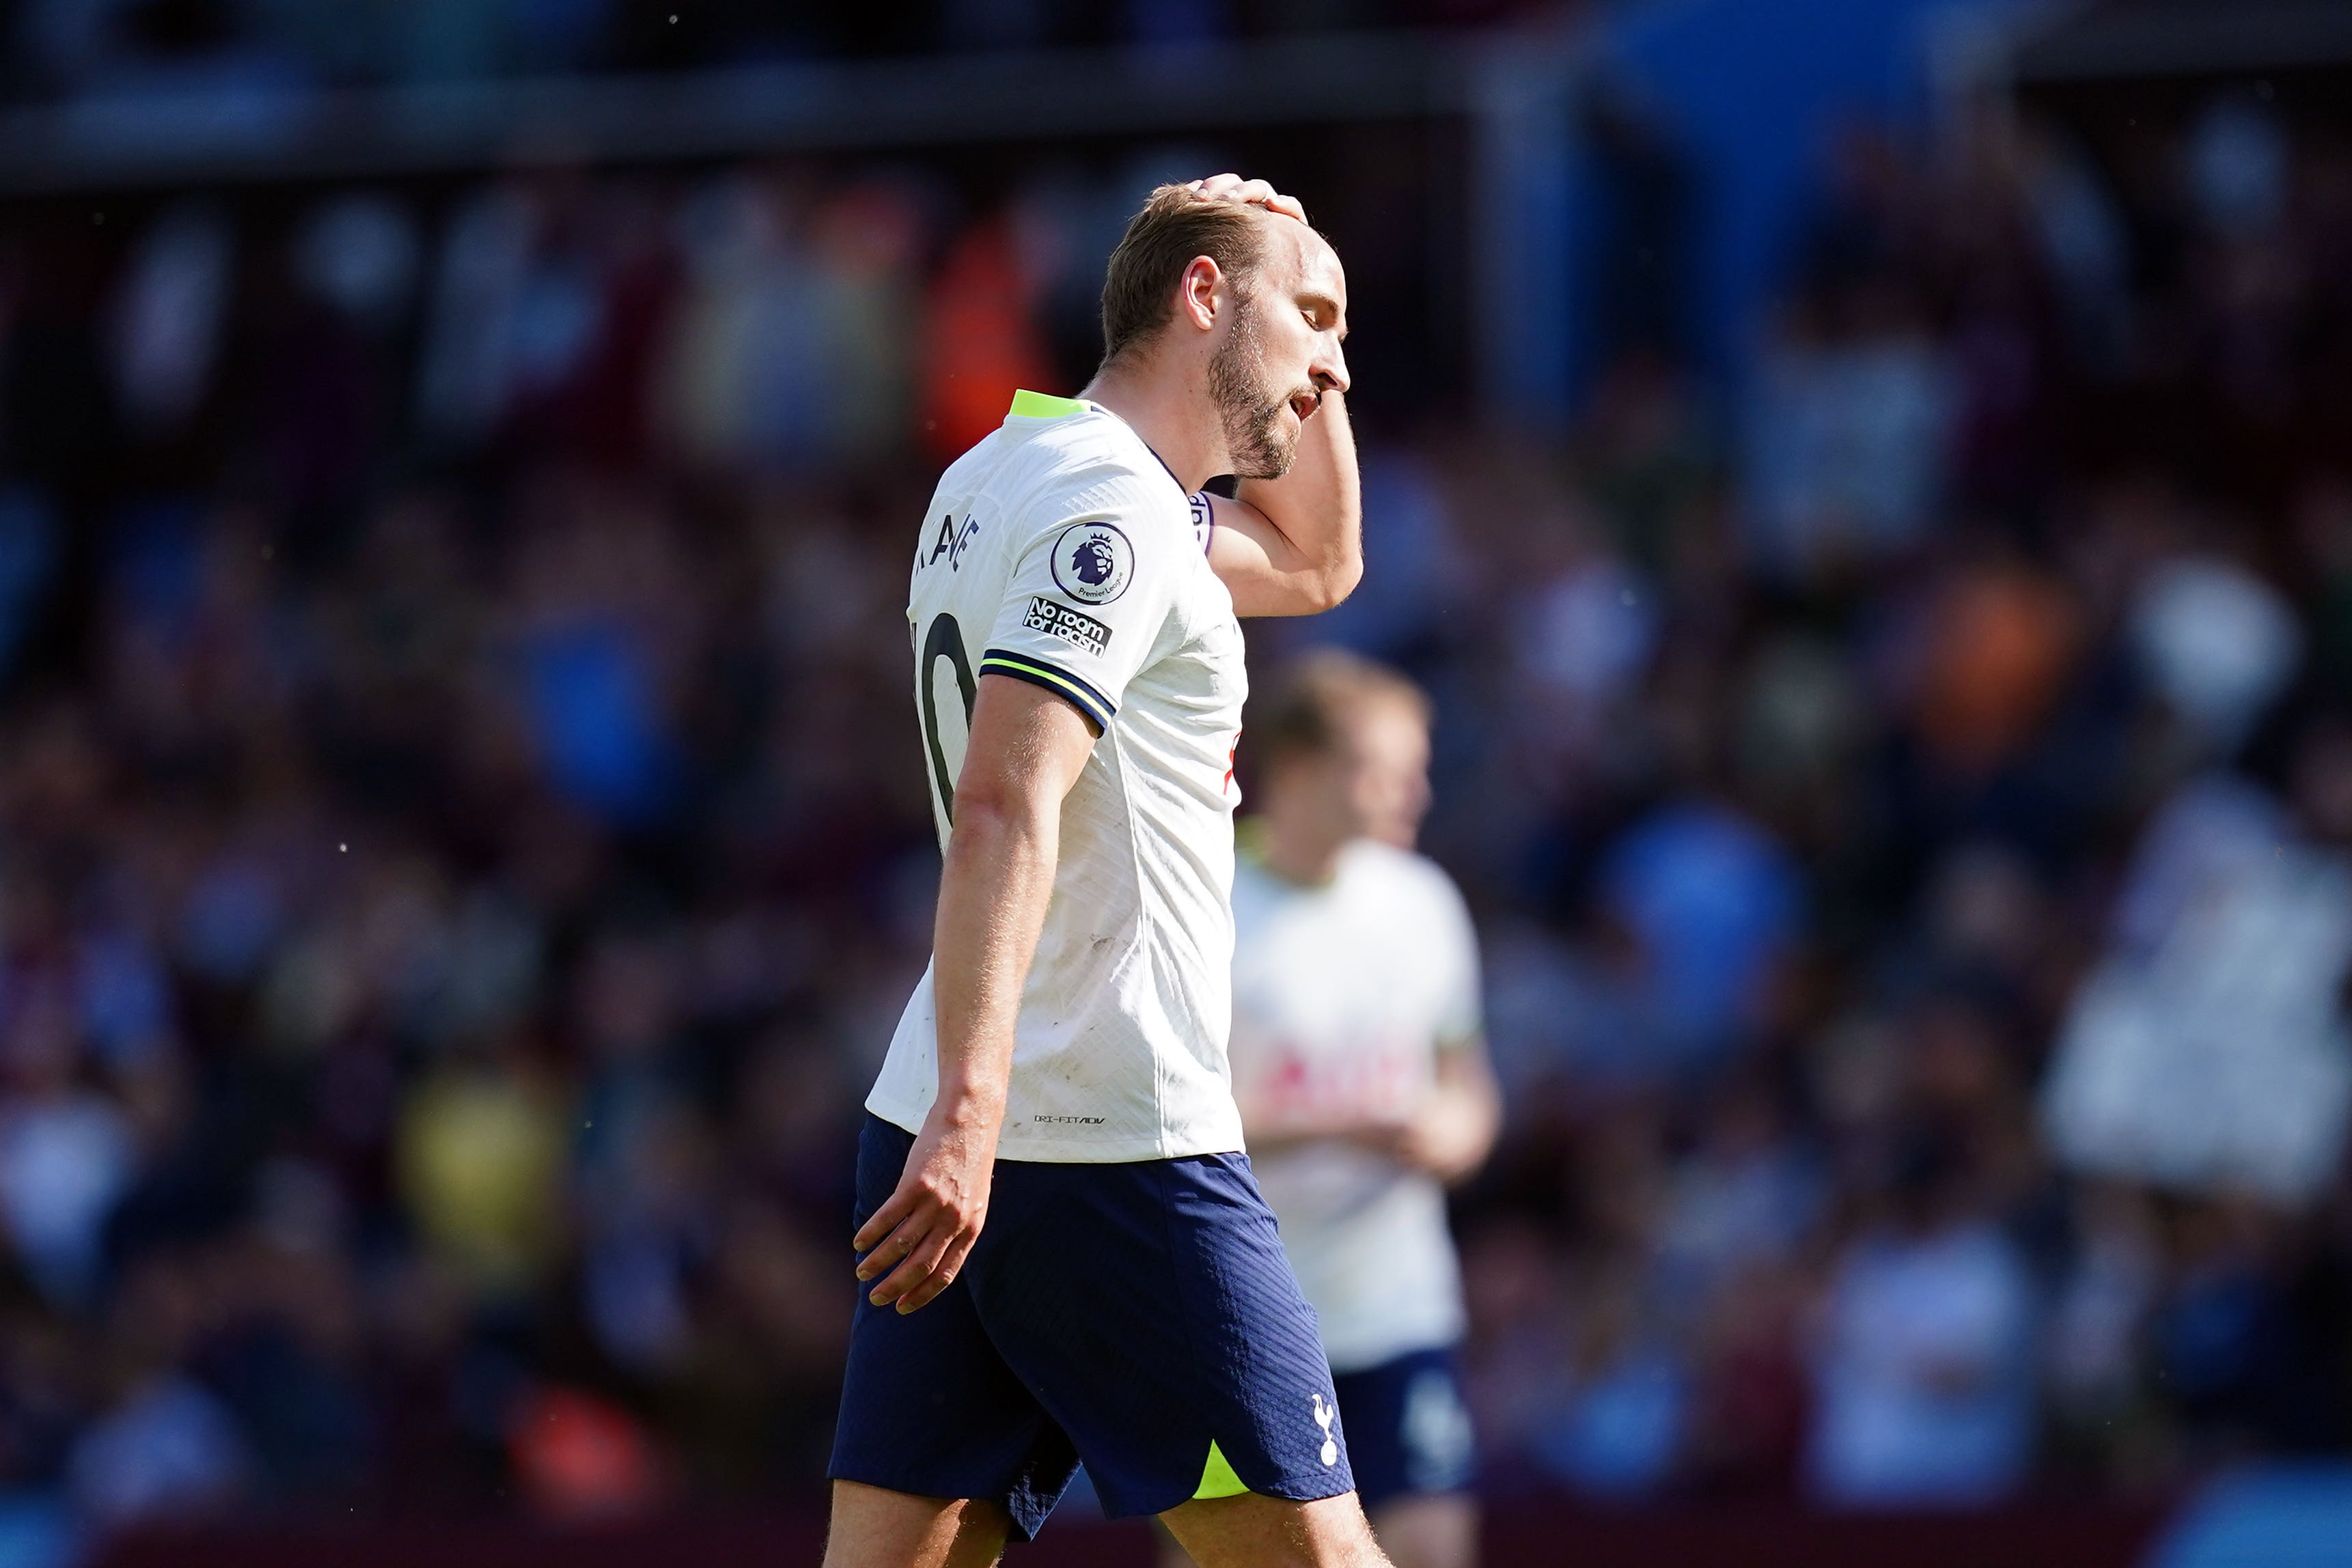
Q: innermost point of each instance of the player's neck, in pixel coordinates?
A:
(1303, 857)
(1165, 405)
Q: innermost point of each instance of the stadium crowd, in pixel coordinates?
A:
(463, 844)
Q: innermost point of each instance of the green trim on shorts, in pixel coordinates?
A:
(1217, 1478)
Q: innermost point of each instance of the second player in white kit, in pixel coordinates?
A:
(1345, 996)
(1359, 1066)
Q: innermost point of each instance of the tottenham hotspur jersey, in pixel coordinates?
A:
(1061, 551)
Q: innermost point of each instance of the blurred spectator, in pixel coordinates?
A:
(480, 1144)
(2208, 1047)
(1741, 1205)
(67, 1154)
(1998, 642)
(1616, 1428)
(1711, 904)
(168, 319)
(979, 340)
(167, 1450)
(1923, 1379)
(2220, 645)
(582, 1460)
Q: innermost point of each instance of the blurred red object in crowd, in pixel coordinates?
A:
(582, 1458)
(983, 344)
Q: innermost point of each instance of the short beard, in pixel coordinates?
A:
(1251, 413)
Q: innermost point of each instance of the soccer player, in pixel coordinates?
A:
(1064, 1252)
(1363, 1077)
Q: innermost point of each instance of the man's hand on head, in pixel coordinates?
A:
(1254, 193)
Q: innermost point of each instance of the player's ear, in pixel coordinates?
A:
(1197, 296)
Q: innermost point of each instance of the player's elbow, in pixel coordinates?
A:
(1328, 588)
(1001, 809)
(986, 808)
(1306, 591)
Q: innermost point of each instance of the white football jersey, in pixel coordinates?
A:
(1343, 996)
(1060, 550)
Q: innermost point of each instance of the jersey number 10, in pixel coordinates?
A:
(945, 641)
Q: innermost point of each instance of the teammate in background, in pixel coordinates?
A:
(1065, 1254)
(1363, 1077)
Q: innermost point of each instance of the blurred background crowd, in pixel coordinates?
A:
(83, 46)
(463, 844)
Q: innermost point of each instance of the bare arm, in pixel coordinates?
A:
(1295, 546)
(1026, 750)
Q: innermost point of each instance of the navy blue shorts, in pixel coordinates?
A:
(1408, 1428)
(1129, 1315)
